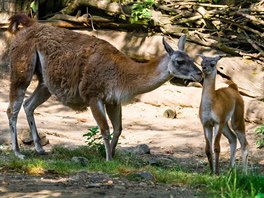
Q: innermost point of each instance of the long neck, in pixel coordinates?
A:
(208, 93)
(145, 77)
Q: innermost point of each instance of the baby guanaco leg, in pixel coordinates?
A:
(208, 134)
(232, 139)
(217, 148)
(238, 126)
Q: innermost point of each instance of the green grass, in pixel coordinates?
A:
(231, 184)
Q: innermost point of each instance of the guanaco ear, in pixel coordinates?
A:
(167, 47)
(181, 42)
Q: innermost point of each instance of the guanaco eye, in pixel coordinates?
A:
(180, 62)
(213, 63)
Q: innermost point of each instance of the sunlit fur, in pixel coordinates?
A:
(216, 109)
(83, 71)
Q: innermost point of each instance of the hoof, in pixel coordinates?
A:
(41, 152)
(20, 156)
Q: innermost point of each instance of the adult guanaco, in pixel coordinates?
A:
(83, 71)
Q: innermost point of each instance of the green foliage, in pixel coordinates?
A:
(239, 185)
(94, 140)
(231, 187)
(260, 132)
(93, 137)
(62, 153)
(33, 6)
(141, 13)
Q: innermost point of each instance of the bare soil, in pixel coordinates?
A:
(180, 139)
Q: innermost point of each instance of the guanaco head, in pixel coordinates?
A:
(209, 64)
(180, 64)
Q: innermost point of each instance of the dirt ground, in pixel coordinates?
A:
(180, 138)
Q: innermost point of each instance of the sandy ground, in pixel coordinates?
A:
(143, 123)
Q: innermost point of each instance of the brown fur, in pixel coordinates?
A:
(83, 71)
(216, 109)
(67, 64)
(233, 85)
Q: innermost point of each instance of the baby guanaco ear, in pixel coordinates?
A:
(167, 47)
(219, 56)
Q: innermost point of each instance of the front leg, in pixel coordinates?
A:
(217, 148)
(98, 111)
(208, 134)
(114, 113)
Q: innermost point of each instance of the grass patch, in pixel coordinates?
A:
(231, 184)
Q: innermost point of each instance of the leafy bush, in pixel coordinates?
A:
(141, 13)
(260, 132)
(94, 138)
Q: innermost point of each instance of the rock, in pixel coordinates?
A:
(147, 176)
(154, 162)
(95, 185)
(255, 111)
(120, 187)
(141, 149)
(44, 141)
(137, 150)
(161, 161)
(80, 160)
(247, 74)
(169, 113)
(195, 84)
(26, 138)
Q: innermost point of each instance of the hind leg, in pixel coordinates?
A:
(16, 97)
(240, 131)
(39, 96)
(232, 139)
(238, 125)
(22, 67)
(244, 150)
